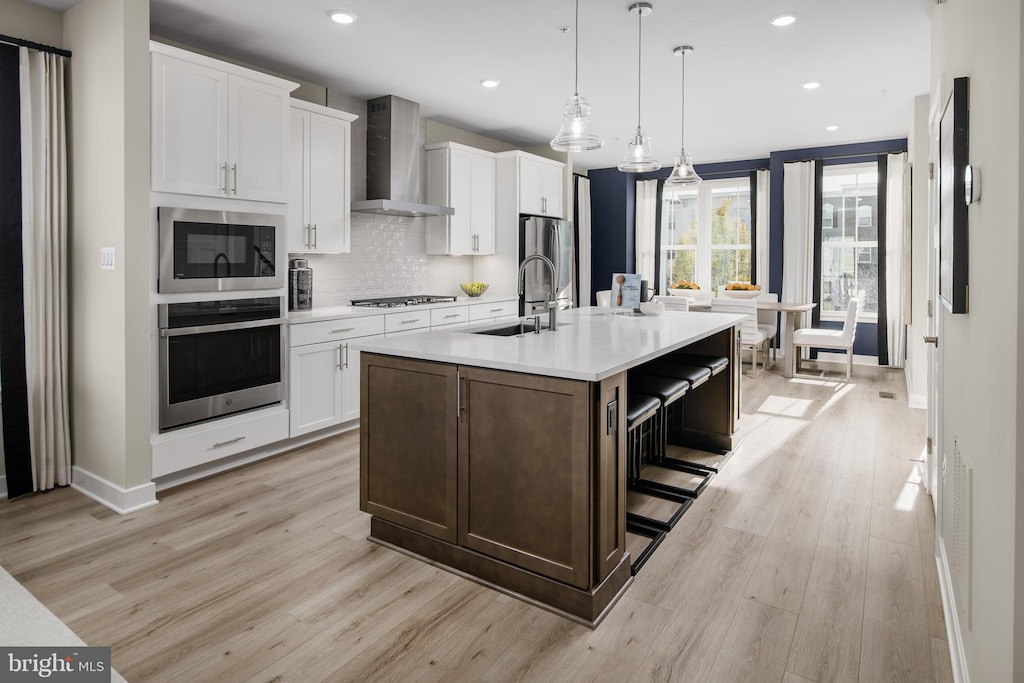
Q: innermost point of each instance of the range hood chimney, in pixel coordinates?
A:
(394, 160)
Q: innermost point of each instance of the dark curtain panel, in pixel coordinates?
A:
(657, 236)
(576, 241)
(816, 275)
(883, 331)
(753, 229)
(17, 457)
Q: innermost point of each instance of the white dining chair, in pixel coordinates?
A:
(604, 298)
(750, 336)
(768, 321)
(819, 338)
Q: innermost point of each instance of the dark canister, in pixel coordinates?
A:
(300, 285)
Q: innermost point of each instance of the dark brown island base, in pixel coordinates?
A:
(503, 459)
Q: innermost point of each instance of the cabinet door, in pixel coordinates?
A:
(460, 172)
(299, 239)
(482, 214)
(314, 395)
(350, 378)
(257, 140)
(530, 186)
(329, 184)
(189, 127)
(551, 190)
(524, 471)
(408, 443)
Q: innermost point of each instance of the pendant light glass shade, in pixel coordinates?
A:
(638, 157)
(683, 172)
(575, 135)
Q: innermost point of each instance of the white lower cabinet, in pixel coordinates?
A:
(324, 372)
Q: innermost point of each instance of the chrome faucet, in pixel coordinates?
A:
(551, 305)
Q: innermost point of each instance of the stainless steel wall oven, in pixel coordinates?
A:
(219, 357)
(213, 251)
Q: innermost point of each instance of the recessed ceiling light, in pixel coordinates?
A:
(490, 83)
(832, 127)
(342, 17)
(812, 85)
(784, 20)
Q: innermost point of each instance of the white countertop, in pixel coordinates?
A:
(340, 312)
(590, 343)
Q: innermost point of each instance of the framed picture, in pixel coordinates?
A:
(953, 150)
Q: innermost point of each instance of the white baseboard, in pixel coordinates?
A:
(120, 500)
(268, 451)
(3, 485)
(957, 655)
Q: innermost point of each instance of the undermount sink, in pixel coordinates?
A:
(521, 327)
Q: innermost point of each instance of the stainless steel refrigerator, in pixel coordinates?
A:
(553, 238)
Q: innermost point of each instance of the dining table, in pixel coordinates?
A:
(792, 319)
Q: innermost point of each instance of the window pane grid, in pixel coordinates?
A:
(849, 235)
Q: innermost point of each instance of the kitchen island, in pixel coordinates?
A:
(503, 458)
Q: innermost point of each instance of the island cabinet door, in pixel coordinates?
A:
(609, 475)
(524, 471)
(408, 443)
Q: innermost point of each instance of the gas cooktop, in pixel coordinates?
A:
(399, 301)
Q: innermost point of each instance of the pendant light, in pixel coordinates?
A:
(683, 173)
(638, 157)
(575, 134)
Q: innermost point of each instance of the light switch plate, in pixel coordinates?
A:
(106, 258)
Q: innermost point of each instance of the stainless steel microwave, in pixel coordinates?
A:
(216, 251)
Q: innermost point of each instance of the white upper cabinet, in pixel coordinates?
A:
(217, 129)
(320, 183)
(463, 178)
(541, 186)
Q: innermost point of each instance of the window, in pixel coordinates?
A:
(705, 234)
(849, 240)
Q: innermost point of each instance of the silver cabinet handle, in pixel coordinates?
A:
(228, 442)
(931, 340)
(314, 235)
(224, 172)
(345, 363)
(407, 322)
(337, 356)
(342, 330)
(309, 232)
(234, 186)
(496, 310)
(544, 204)
(453, 315)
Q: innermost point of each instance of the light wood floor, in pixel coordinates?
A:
(809, 558)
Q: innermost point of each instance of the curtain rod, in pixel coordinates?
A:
(35, 46)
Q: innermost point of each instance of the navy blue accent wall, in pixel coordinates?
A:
(612, 244)
(613, 198)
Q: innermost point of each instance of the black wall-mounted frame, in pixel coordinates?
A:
(953, 159)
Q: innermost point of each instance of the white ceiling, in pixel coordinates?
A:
(743, 81)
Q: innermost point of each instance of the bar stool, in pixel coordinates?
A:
(696, 369)
(641, 413)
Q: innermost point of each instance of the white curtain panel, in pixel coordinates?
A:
(896, 331)
(646, 227)
(797, 235)
(761, 229)
(44, 243)
(583, 230)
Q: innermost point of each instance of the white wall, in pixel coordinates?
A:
(109, 191)
(917, 354)
(982, 350)
(19, 19)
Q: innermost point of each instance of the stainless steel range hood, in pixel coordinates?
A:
(394, 160)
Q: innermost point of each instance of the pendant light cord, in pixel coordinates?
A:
(639, 62)
(682, 104)
(576, 82)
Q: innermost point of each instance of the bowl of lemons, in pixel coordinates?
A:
(742, 290)
(474, 288)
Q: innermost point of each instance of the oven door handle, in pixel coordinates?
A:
(222, 327)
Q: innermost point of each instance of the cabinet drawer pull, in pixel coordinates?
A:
(228, 442)
(407, 322)
(453, 315)
(342, 330)
(497, 310)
